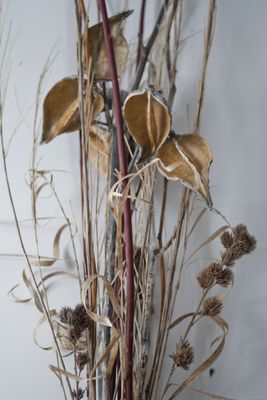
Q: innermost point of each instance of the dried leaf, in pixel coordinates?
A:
(97, 49)
(187, 158)
(99, 148)
(148, 120)
(61, 109)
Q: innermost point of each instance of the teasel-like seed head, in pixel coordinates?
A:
(207, 277)
(81, 321)
(184, 355)
(247, 241)
(66, 315)
(212, 306)
(227, 239)
(81, 318)
(243, 243)
(78, 395)
(225, 277)
(82, 359)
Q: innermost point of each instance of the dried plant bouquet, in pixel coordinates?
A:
(114, 342)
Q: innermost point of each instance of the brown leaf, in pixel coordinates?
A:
(97, 49)
(187, 158)
(61, 109)
(99, 148)
(147, 119)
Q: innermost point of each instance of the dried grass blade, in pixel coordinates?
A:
(212, 395)
(215, 234)
(200, 215)
(41, 321)
(60, 371)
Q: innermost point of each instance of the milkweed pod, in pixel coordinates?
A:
(148, 120)
(61, 108)
(96, 48)
(187, 158)
(99, 148)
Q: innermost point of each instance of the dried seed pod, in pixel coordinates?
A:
(148, 120)
(207, 277)
(61, 109)
(225, 277)
(227, 239)
(187, 158)
(242, 236)
(66, 315)
(78, 394)
(82, 359)
(97, 49)
(212, 306)
(184, 355)
(99, 148)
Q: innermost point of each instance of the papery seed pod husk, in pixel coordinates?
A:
(99, 148)
(97, 49)
(61, 108)
(148, 120)
(65, 336)
(187, 158)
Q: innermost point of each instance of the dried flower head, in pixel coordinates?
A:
(81, 317)
(227, 240)
(81, 321)
(242, 243)
(78, 395)
(225, 277)
(207, 277)
(184, 355)
(82, 359)
(247, 241)
(212, 306)
(66, 315)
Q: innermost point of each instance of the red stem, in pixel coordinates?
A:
(128, 240)
(141, 32)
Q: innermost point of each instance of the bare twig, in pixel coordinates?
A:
(127, 210)
(207, 47)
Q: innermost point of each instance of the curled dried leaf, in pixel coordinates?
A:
(99, 148)
(187, 158)
(61, 109)
(97, 49)
(148, 120)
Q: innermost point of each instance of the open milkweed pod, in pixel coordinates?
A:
(148, 120)
(61, 108)
(97, 49)
(99, 148)
(187, 158)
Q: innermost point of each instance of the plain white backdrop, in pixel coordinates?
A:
(234, 122)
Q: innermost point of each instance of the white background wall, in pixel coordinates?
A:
(234, 122)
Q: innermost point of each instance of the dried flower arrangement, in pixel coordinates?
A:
(127, 139)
